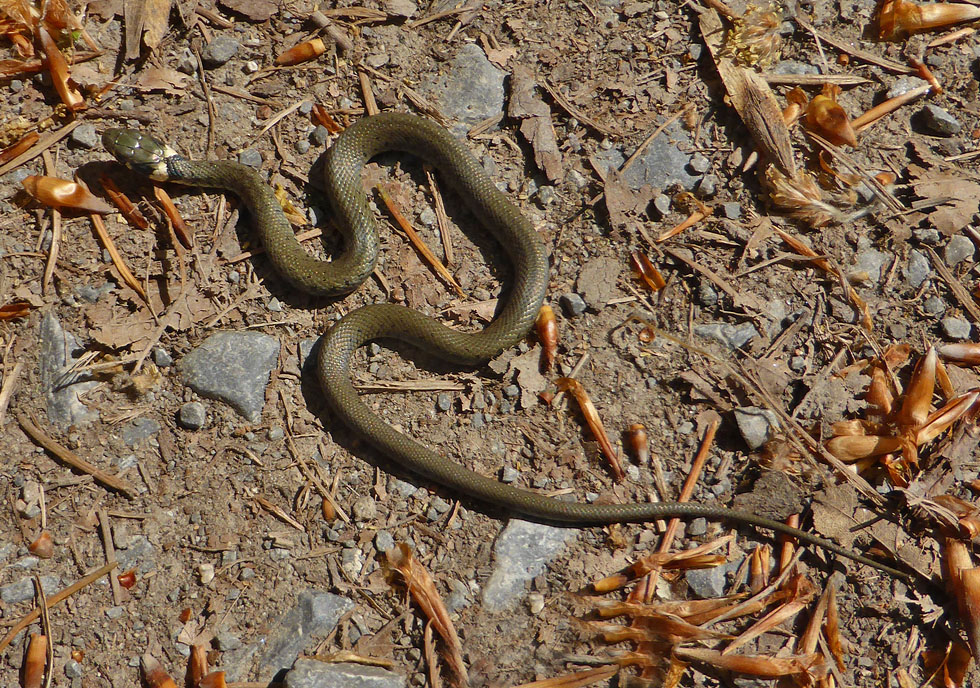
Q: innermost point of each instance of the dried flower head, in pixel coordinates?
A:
(799, 197)
(754, 38)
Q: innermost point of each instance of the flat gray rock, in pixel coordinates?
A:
(662, 164)
(522, 551)
(59, 352)
(315, 615)
(473, 90)
(233, 367)
(309, 673)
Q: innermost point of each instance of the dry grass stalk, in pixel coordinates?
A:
(591, 415)
(117, 260)
(423, 591)
(169, 208)
(125, 206)
(696, 557)
(756, 665)
(579, 679)
(803, 595)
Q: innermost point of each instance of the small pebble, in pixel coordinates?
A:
(251, 158)
(219, 51)
(572, 304)
(938, 121)
(444, 402)
(933, 306)
(85, 136)
(956, 328)
(192, 416)
(508, 474)
(959, 249)
(731, 210)
(162, 358)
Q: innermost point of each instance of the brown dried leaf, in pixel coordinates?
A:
(591, 415)
(64, 194)
(755, 665)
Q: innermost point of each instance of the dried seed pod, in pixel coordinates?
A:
(575, 388)
(824, 116)
(754, 38)
(918, 394)
(43, 546)
(61, 193)
(967, 353)
(646, 271)
(32, 673)
(154, 674)
(897, 19)
(302, 52)
(853, 447)
(328, 510)
(639, 444)
(127, 579)
(796, 105)
(547, 329)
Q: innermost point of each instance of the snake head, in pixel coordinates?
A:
(140, 152)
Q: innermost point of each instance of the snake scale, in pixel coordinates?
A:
(344, 161)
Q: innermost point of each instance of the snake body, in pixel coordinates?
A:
(345, 160)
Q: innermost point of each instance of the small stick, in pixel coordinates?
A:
(442, 219)
(7, 390)
(110, 555)
(59, 596)
(46, 630)
(420, 245)
(55, 236)
(73, 459)
(370, 104)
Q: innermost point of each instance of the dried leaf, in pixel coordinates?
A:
(575, 388)
(61, 194)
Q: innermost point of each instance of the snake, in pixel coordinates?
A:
(344, 161)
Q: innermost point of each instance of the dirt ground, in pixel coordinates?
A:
(618, 72)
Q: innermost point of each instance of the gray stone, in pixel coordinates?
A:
(192, 415)
(85, 136)
(139, 429)
(917, 269)
(661, 165)
(23, 590)
(955, 328)
(731, 336)
(904, 85)
(473, 89)
(509, 474)
(710, 583)
(938, 121)
(731, 210)
(795, 68)
(319, 136)
(400, 487)
(696, 528)
(933, 306)
(928, 236)
(756, 425)
(219, 51)
(73, 669)
(872, 261)
(90, 293)
(707, 294)
(115, 612)
(572, 304)
(59, 352)
(309, 673)
(315, 615)
(364, 509)
(958, 249)
(162, 357)
(225, 641)
(250, 157)
(233, 367)
(140, 553)
(383, 541)
(522, 551)
(444, 402)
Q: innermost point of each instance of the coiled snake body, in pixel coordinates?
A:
(345, 159)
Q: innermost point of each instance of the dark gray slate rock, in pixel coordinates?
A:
(309, 673)
(139, 429)
(59, 351)
(233, 367)
(522, 551)
(315, 615)
(473, 90)
(23, 590)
